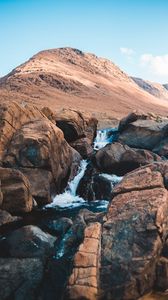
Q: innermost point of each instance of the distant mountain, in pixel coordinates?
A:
(70, 78)
(156, 89)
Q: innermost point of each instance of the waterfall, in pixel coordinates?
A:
(104, 137)
(69, 199)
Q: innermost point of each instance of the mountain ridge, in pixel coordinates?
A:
(70, 78)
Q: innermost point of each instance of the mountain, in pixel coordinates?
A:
(156, 89)
(70, 78)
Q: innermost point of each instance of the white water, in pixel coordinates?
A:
(102, 138)
(69, 198)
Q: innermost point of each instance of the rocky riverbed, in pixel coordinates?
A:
(83, 213)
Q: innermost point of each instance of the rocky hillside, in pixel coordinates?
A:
(69, 78)
(156, 89)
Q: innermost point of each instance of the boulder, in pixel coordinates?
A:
(40, 145)
(20, 278)
(12, 117)
(79, 130)
(29, 241)
(144, 134)
(132, 117)
(76, 125)
(15, 187)
(133, 236)
(96, 186)
(119, 159)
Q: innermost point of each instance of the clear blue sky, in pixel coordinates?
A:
(132, 33)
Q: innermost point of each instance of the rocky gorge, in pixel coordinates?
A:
(83, 212)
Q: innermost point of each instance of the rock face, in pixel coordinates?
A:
(16, 191)
(133, 235)
(20, 278)
(83, 282)
(79, 130)
(138, 132)
(119, 159)
(32, 143)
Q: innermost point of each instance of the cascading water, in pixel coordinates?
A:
(69, 198)
(104, 137)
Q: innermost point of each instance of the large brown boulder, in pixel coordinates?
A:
(79, 130)
(32, 143)
(15, 187)
(12, 118)
(40, 144)
(143, 133)
(133, 236)
(119, 159)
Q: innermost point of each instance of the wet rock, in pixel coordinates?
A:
(94, 186)
(144, 134)
(76, 159)
(29, 241)
(16, 191)
(119, 159)
(20, 278)
(133, 236)
(60, 226)
(83, 282)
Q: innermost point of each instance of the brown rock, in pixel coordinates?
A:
(119, 159)
(83, 282)
(41, 145)
(145, 134)
(83, 147)
(132, 117)
(132, 236)
(162, 274)
(16, 191)
(12, 118)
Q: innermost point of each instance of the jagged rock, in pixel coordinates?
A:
(145, 134)
(20, 278)
(29, 241)
(119, 159)
(84, 280)
(133, 235)
(16, 191)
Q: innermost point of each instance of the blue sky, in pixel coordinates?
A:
(132, 33)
